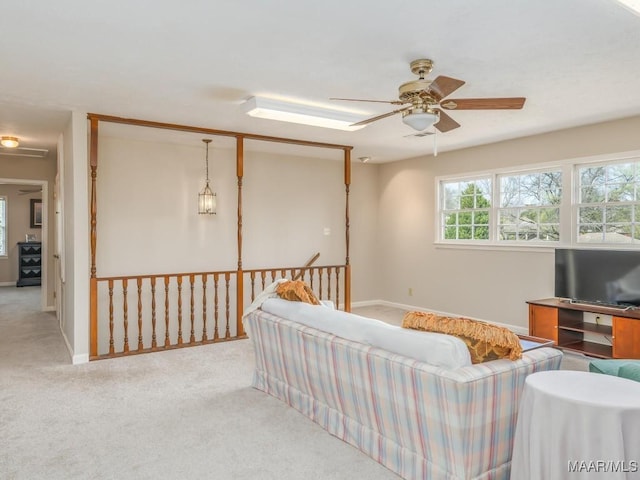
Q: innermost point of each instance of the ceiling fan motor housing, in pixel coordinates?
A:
(415, 88)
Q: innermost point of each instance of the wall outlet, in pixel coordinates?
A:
(410, 292)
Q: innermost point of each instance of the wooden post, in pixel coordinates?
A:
(93, 283)
(347, 273)
(239, 274)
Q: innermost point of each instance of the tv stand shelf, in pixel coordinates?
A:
(563, 322)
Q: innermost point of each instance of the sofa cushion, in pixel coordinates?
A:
(485, 341)
(297, 291)
(618, 367)
(630, 371)
(434, 348)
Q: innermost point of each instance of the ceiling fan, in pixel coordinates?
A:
(424, 101)
(27, 191)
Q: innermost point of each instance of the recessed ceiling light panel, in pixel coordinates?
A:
(633, 5)
(271, 109)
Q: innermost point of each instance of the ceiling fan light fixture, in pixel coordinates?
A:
(9, 142)
(420, 119)
(271, 109)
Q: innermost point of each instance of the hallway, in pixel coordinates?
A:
(28, 336)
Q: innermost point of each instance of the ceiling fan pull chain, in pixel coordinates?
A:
(435, 142)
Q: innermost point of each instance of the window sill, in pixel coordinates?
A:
(511, 247)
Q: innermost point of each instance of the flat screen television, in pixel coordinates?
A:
(606, 277)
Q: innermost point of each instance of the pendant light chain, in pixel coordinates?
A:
(207, 142)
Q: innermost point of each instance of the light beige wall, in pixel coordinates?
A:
(29, 169)
(75, 294)
(148, 220)
(487, 284)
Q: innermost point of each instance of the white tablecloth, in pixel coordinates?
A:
(577, 425)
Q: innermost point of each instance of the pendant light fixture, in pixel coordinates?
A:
(207, 198)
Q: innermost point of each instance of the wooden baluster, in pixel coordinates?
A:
(273, 276)
(204, 307)
(263, 275)
(216, 335)
(126, 315)
(167, 340)
(140, 343)
(154, 340)
(253, 284)
(304, 272)
(329, 284)
(179, 278)
(111, 345)
(226, 280)
(337, 287)
(192, 337)
(283, 273)
(320, 271)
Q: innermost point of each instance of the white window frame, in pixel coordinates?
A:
(568, 205)
(498, 208)
(577, 197)
(440, 194)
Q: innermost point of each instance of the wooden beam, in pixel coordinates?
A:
(93, 240)
(212, 131)
(347, 185)
(93, 163)
(240, 275)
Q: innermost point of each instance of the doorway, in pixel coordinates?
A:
(27, 219)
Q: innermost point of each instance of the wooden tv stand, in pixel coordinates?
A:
(563, 322)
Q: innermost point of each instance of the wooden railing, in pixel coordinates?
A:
(147, 313)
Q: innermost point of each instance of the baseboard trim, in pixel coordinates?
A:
(7, 284)
(75, 359)
(80, 359)
(404, 306)
(366, 303)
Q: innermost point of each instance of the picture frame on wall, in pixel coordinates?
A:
(35, 213)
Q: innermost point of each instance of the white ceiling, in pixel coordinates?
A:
(194, 62)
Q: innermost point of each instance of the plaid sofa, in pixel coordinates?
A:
(420, 421)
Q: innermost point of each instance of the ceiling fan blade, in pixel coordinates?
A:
(392, 102)
(380, 117)
(445, 123)
(514, 103)
(443, 86)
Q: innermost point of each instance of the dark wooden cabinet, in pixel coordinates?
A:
(29, 263)
(563, 322)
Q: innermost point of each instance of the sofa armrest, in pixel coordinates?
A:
(540, 359)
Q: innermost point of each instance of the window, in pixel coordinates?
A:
(530, 206)
(590, 201)
(3, 226)
(465, 215)
(608, 207)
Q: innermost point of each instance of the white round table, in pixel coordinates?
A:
(577, 425)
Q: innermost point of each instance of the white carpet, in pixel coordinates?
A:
(181, 414)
